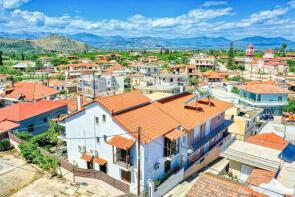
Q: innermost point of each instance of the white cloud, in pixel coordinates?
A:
(291, 4)
(214, 3)
(12, 4)
(197, 22)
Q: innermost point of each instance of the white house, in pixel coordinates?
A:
(178, 136)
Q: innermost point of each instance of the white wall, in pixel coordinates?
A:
(83, 125)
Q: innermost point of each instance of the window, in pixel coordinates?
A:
(104, 118)
(103, 168)
(219, 117)
(126, 175)
(258, 97)
(171, 79)
(280, 98)
(97, 140)
(31, 127)
(45, 120)
(97, 120)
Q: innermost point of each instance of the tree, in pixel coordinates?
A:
(1, 59)
(231, 56)
(23, 56)
(283, 49)
(194, 81)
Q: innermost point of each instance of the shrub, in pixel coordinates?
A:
(5, 145)
(32, 154)
(24, 135)
(235, 90)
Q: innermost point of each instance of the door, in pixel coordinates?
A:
(167, 166)
(126, 176)
(89, 165)
(103, 168)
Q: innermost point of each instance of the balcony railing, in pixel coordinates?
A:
(125, 162)
(201, 142)
(263, 103)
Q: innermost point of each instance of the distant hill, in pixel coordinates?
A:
(51, 42)
(194, 42)
(87, 41)
(59, 43)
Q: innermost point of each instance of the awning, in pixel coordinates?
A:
(86, 157)
(173, 135)
(121, 142)
(100, 161)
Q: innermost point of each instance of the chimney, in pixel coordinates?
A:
(79, 101)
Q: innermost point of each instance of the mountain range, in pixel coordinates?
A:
(86, 41)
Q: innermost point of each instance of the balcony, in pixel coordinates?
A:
(201, 142)
(123, 159)
(272, 103)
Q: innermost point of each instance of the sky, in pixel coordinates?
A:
(232, 19)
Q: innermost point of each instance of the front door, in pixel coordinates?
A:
(103, 168)
(89, 165)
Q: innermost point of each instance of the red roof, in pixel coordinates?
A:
(269, 51)
(22, 111)
(121, 102)
(7, 125)
(260, 176)
(211, 185)
(270, 140)
(30, 91)
(121, 142)
(152, 120)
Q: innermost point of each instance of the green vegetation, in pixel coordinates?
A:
(291, 65)
(231, 56)
(46, 139)
(235, 90)
(32, 154)
(290, 107)
(194, 81)
(236, 78)
(5, 145)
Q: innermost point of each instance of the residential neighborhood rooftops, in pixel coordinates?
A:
(7, 125)
(152, 120)
(30, 91)
(189, 116)
(264, 89)
(270, 140)
(211, 185)
(121, 102)
(259, 176)
(22, 111)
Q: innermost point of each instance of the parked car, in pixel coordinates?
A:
(266, 117)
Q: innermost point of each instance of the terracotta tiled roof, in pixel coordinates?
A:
(211, 185)
(260, 176)
(22, 111)
(213, 74)
(152, 120)
(30, 91)
(86, 157)
(173, 135)
(121, 142)
(269, 51)
(7, 126)
(264, 89)
(189, 117)
(121, 102)
(270, 140)
(100, 160)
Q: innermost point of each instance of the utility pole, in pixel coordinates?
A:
(93, 81)
(138, 162)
